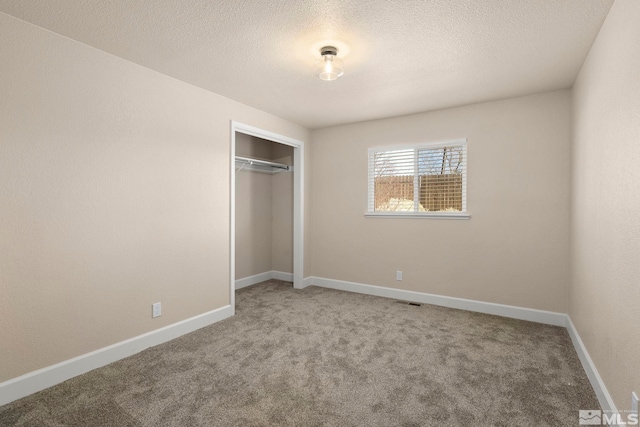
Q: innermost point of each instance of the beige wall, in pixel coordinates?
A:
(605, 288)
(264, 210)
(282, 215)
(253, 211)
(515, 248)
(114, 194)
(251, 146)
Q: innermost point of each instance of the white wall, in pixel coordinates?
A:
(515, 248)
(605, 288)
(114, 194)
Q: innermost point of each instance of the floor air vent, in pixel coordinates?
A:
(415, 304)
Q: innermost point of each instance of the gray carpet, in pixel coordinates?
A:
(319, 357)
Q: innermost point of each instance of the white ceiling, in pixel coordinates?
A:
(400, 56)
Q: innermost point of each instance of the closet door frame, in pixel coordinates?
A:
(298, 202)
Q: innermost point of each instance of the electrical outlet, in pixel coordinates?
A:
(634, 403)
(156, 309)
(398, 275)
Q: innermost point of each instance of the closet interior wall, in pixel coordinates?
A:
(264, 210)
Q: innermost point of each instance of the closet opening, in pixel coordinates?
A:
(266, 208)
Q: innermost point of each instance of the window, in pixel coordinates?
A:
(422, 180)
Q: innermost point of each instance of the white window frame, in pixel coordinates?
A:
(464, 214)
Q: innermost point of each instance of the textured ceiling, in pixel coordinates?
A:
(400, 56)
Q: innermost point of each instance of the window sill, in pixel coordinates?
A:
(426, 215)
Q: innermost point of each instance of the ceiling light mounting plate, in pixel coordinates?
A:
(329, 50)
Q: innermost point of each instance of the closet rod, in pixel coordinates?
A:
(258, 162)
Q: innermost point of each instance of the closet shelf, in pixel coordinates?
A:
(259, 162)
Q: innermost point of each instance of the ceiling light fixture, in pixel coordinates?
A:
(329, 67)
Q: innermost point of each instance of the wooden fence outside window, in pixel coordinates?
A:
(441, 192)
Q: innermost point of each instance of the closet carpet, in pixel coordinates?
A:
(320, 357)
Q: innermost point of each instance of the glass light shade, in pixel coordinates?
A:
(329, 67)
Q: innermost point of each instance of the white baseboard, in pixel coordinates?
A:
(590, 368)
(259, 278)
(35, 381)
(530, 314)
(252, 280)
(307, 281)
(281, 275)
